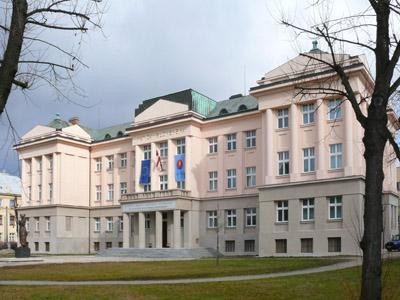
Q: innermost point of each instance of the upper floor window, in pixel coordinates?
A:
(98, 192)
(334, 109)
(283, 163)
(335, 207)
(12, 220)
(147, 187)
(39, 164)
(163, 182)
(50, 191)
(50, 161)
(180, 146)
(250, 176)
(147, 152)
(39, 192)
(283, 118)
(98, 164)
(231, 141)
(335, 152)
(28, 166)
(309, 159)
(212, 181)
(97, 224)
(308, 113)
(307, 209)
(282, 211)
(123, 188)
(213, 145)
(231, 218)
(250, 139)
(110, 162)
(164, 149)
(12, 203)
(212, 219)
(181, 184)
(123, 160)
(110, 192)
(231, 176)
(251, 217)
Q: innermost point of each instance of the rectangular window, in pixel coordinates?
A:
(335, 207)
(47, 246)
(50, 161)
(147, 220)
(334, 109)
(229, 246)
(110, 192)
(36, 246)
(121, 223)
(251, 217)
(110, 162)
(110, 224)
(308, 113)
(147, 152)
(12, 237)
(250, 176)
(147, 187)
(68, 223)
(39, 164)
(39, 192)
(282, 211)
(306, 245)
(123, 160)
(181, 185)
(281, 246)
(164, 182)
(231, 218)
(307, 209)
(231, 176)
(36, 224)
(249, 245)
(27, 225)
(164, 149)
(1, 220)
(180, 146)
(231, 142)
(334, 244)
(123, 188)
(283, 163)
(213, 145)
(96, 224)
(50, 191)
(29, 193)
(98, 164)
(309, 159)
(108, 245)
(28, 166)
(12, 220)
(336, 156)
(12, 203)
(250, 139)
(47, 220)
(283, 118)
(120, 244)
(98, 192)
(96, 246)
(213, 181)
(212, 219)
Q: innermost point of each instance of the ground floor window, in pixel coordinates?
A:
(96, 246)
(36, 246)
(229, 246)
(306, 245)
(334, 244)
(47, 246)
(108, 245)
(120, 244)
(249, 245)
(281, 246)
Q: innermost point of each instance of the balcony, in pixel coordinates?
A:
(153, 195)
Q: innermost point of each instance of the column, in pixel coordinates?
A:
(322, 155)
(141, 230)
(126, 234)
(263, 145)
(171, 165)
(187, 220)
(177, 228)
(158, 229)
(270, 163)
(348, 138)
(294, 149)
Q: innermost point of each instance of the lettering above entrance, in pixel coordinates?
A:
(152, 206)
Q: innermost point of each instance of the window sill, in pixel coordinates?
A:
(335, 220)
(230, 189)
(282, 129)
(96, 231)
(212, 191)
(109, 231)
(250, 226)
(307, 173)
(335, 170)
(212, 154)
(230, 227)
(307, 222)
(282, 176)
(231, 151)
(212, 228)
(97, 171)
(252, 187)
(307, 125)
(110, 170)
(250, 148)
(281, 223)
(335, 120)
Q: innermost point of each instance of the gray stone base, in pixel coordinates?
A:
(21, 252)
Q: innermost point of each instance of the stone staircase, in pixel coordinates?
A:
(158, 252)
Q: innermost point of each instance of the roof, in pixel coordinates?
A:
(58, 123)
(10, 184)
(107, 132)
(232, 106)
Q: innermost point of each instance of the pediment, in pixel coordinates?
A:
(38, 131)
(161, 108)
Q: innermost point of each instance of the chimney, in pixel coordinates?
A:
(74, 120)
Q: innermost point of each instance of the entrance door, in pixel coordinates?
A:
(165, 234)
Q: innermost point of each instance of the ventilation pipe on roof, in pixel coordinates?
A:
(236, 96)
(74, 120)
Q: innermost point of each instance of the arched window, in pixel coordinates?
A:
(120, 133)
(223, 112)
(107, 136)
(242, 107)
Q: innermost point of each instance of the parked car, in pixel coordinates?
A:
(394, 244)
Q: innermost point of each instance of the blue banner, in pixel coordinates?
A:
(180, 167)
(145, 172)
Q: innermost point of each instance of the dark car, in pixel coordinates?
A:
(394, 244)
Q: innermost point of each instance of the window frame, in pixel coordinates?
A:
(309, 160)
(213, 145)
(163, 182)
(231, 142)
(110, 192)
(147, 152)
(283, 118)
(212, 219)
(251, 215)
(282, 211)
(231, 175)
(251, 139)
(307, 205)
(335, 109)
(213, 181)
(231, 218)
(123, 188)
(123, 160)
(308, 113)
(163, 146)
(335, 205)
(180, 146)
(336, 156)
(283, 163)
(251, 177)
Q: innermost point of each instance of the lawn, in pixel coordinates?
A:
(160, 269)
(341, 284)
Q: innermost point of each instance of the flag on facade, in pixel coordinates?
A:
(158, 161)
(180, 167)
(145, 172)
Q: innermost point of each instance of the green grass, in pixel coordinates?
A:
(341, 284)
(160, 269)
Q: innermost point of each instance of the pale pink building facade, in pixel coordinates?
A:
(271, 173)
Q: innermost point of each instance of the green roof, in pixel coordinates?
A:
(233, 106)
(58, 123)
(107, 132)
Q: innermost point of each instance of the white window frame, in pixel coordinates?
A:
(231, 142)
(282, 207)
(98, 164)
(39, 164)
(307, 208)
(334, 109)
(147, 152)
(180, 146)
(50, 191)
(98, 192)
(336, 156)
(123, 187)
(251, 217)
(147, 221)
(213, 181)
(181, 184)
(283, 118)
(231, 178)
(123, 160)
(308, 113)
(250, 139)
(37, 224)
(283, 163)
(163, 182)
(147, 187)
(120, 223)
(251, 180)
(231, 218)
(50, 161)
(109, 224)
(110, 162)
(212, 219)
(97, 224)
(163, 149)
(308, 159)
(47, 220)
(212, 145)
(110, 192)
(39, 192)
(335, 207)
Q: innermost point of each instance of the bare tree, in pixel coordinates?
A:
(29, 53)
(372, 30)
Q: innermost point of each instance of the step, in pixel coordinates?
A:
(158, 252)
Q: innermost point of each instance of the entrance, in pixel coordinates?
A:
(165, 234)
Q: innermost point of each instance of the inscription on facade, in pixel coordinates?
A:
(152, 206)
(160, 135)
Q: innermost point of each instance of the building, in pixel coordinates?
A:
(10, 197)
(270, 173)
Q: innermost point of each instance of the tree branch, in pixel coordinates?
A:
(84, 29)
(21, 84)
(393, 143)
(46, 63)
(59, 11)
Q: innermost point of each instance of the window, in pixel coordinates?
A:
(213, 181)
(110, 224)
(39, 192)
(308, 113)
(123, 188)
(231, 176)
(12, 237)
(335, 152)
(309, 159)
(281, 246)
(307, 209)
(163, 182)
(283, 118)
(180, 146)
(335, 207)
(47, 220)
(229, 246)
(120, 244)
(29, 193)
(110, 192)
(251, 217)
(147, 152)
(12, 203)
(213, 145)
(98, 192)
(39, 164)
(231, 218)
(28, 166)
(212, 217)
(50, 191)
(36, 224)
(249, 245)
(282, 211)
(27, 225)
(50, 161)
(98, 164)
(250, 139)
(96, 224)
(123, 160)
(334, 109)
(96, 246)
(47, 246)
(250, 176)
(181, 185)
(108, 245)
(68, 223)
(36, 246)
(12, 220)
(306, 245)
(110, 162)
(1, 220)
(121, 223)
(147, 220)
(334, 244)
(231, 142)
(283, 163)
(147, 187)
(164, 149)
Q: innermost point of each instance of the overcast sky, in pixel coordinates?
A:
(153, 47)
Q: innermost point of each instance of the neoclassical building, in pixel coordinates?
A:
(272, 173)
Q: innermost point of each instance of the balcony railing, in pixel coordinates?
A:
(167, 194)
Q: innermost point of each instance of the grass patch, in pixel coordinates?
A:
(160, 269)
